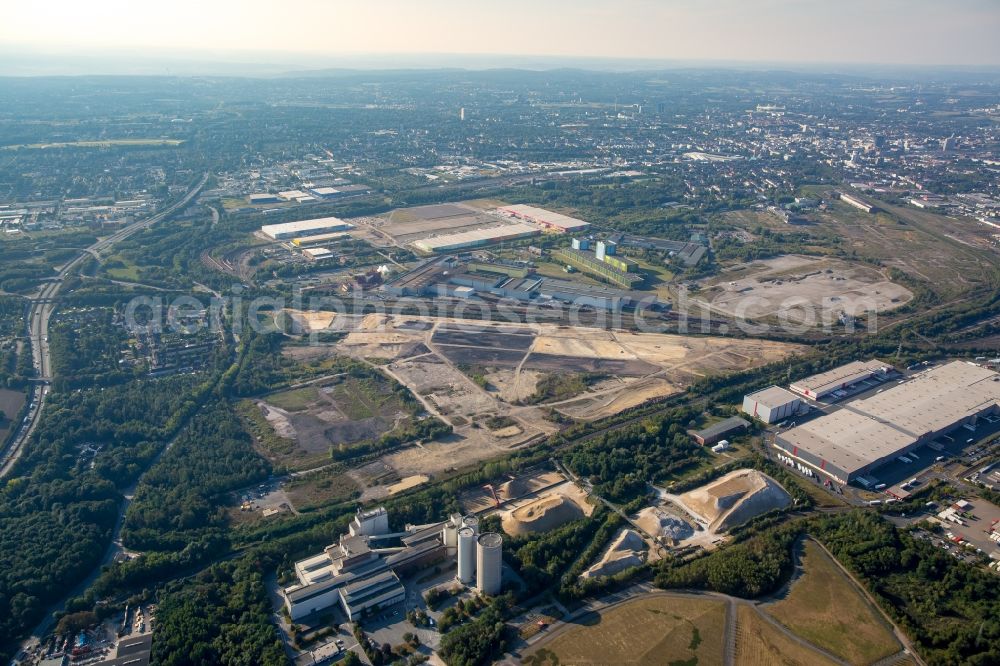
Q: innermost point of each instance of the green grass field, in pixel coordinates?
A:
(758, 643)
(825, 608)
(295, 400)
(321, 488)
(664, 630)
(355, 401)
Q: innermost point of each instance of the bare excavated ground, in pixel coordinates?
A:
(793, 284)
(469, 373)
(437, 358)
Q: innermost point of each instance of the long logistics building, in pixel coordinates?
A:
(304, 228)
(825, 384)
(545, 218)
(862, 435)
(476, 238)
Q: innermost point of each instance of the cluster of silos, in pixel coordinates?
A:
(479, 557)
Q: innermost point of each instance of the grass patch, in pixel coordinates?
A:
(757, 642)
(562, 386)
(357, 399)
(296, 400)
(825, 608)
(325, 486)
(660, 629)
(119, 268)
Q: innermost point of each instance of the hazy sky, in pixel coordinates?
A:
(856, 31)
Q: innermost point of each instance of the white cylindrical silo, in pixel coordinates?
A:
(449, 535)
(489, 563)
(466, 555)
(473, 522)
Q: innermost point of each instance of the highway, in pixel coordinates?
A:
(40, 312)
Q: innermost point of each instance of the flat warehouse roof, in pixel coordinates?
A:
(865, 431)
(546, 216)
(723, 427)
(844, 375)
(773, 396)
(304, 225)
(478, 235)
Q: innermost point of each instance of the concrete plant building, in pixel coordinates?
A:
(856, 439)
(305, 228)
(323, 577)
(545, 218)
(772, 404)
(372, 523)
(466, 554)
(361, 570)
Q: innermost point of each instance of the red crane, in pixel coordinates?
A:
(489, 487)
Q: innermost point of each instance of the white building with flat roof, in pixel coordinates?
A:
(544, 218)
(476, 238)
(304, 228)
(772, 404)
(823, 384)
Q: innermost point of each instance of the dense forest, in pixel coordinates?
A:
(181, 497)
(621, 462)
(56, 522)
(747, 569)
(222, 616)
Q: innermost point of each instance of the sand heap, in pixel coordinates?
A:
(659, 523)
(735, 499)
(513, 488)
(625, 551)
(540, 515)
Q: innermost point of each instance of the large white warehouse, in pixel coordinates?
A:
(864, 434)
(476, 238)
(305, 228)
(842, 377)
(545, 218)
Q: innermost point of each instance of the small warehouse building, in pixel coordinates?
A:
(772, 404)
(719, 431)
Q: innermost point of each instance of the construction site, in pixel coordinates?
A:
(494, 382)
(830, 287)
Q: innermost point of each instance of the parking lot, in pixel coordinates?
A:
(969, 538)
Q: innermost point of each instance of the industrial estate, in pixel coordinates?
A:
(680, 367)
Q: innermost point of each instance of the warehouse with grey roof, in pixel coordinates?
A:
(864, 434)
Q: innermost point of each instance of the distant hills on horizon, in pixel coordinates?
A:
(24, 63)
